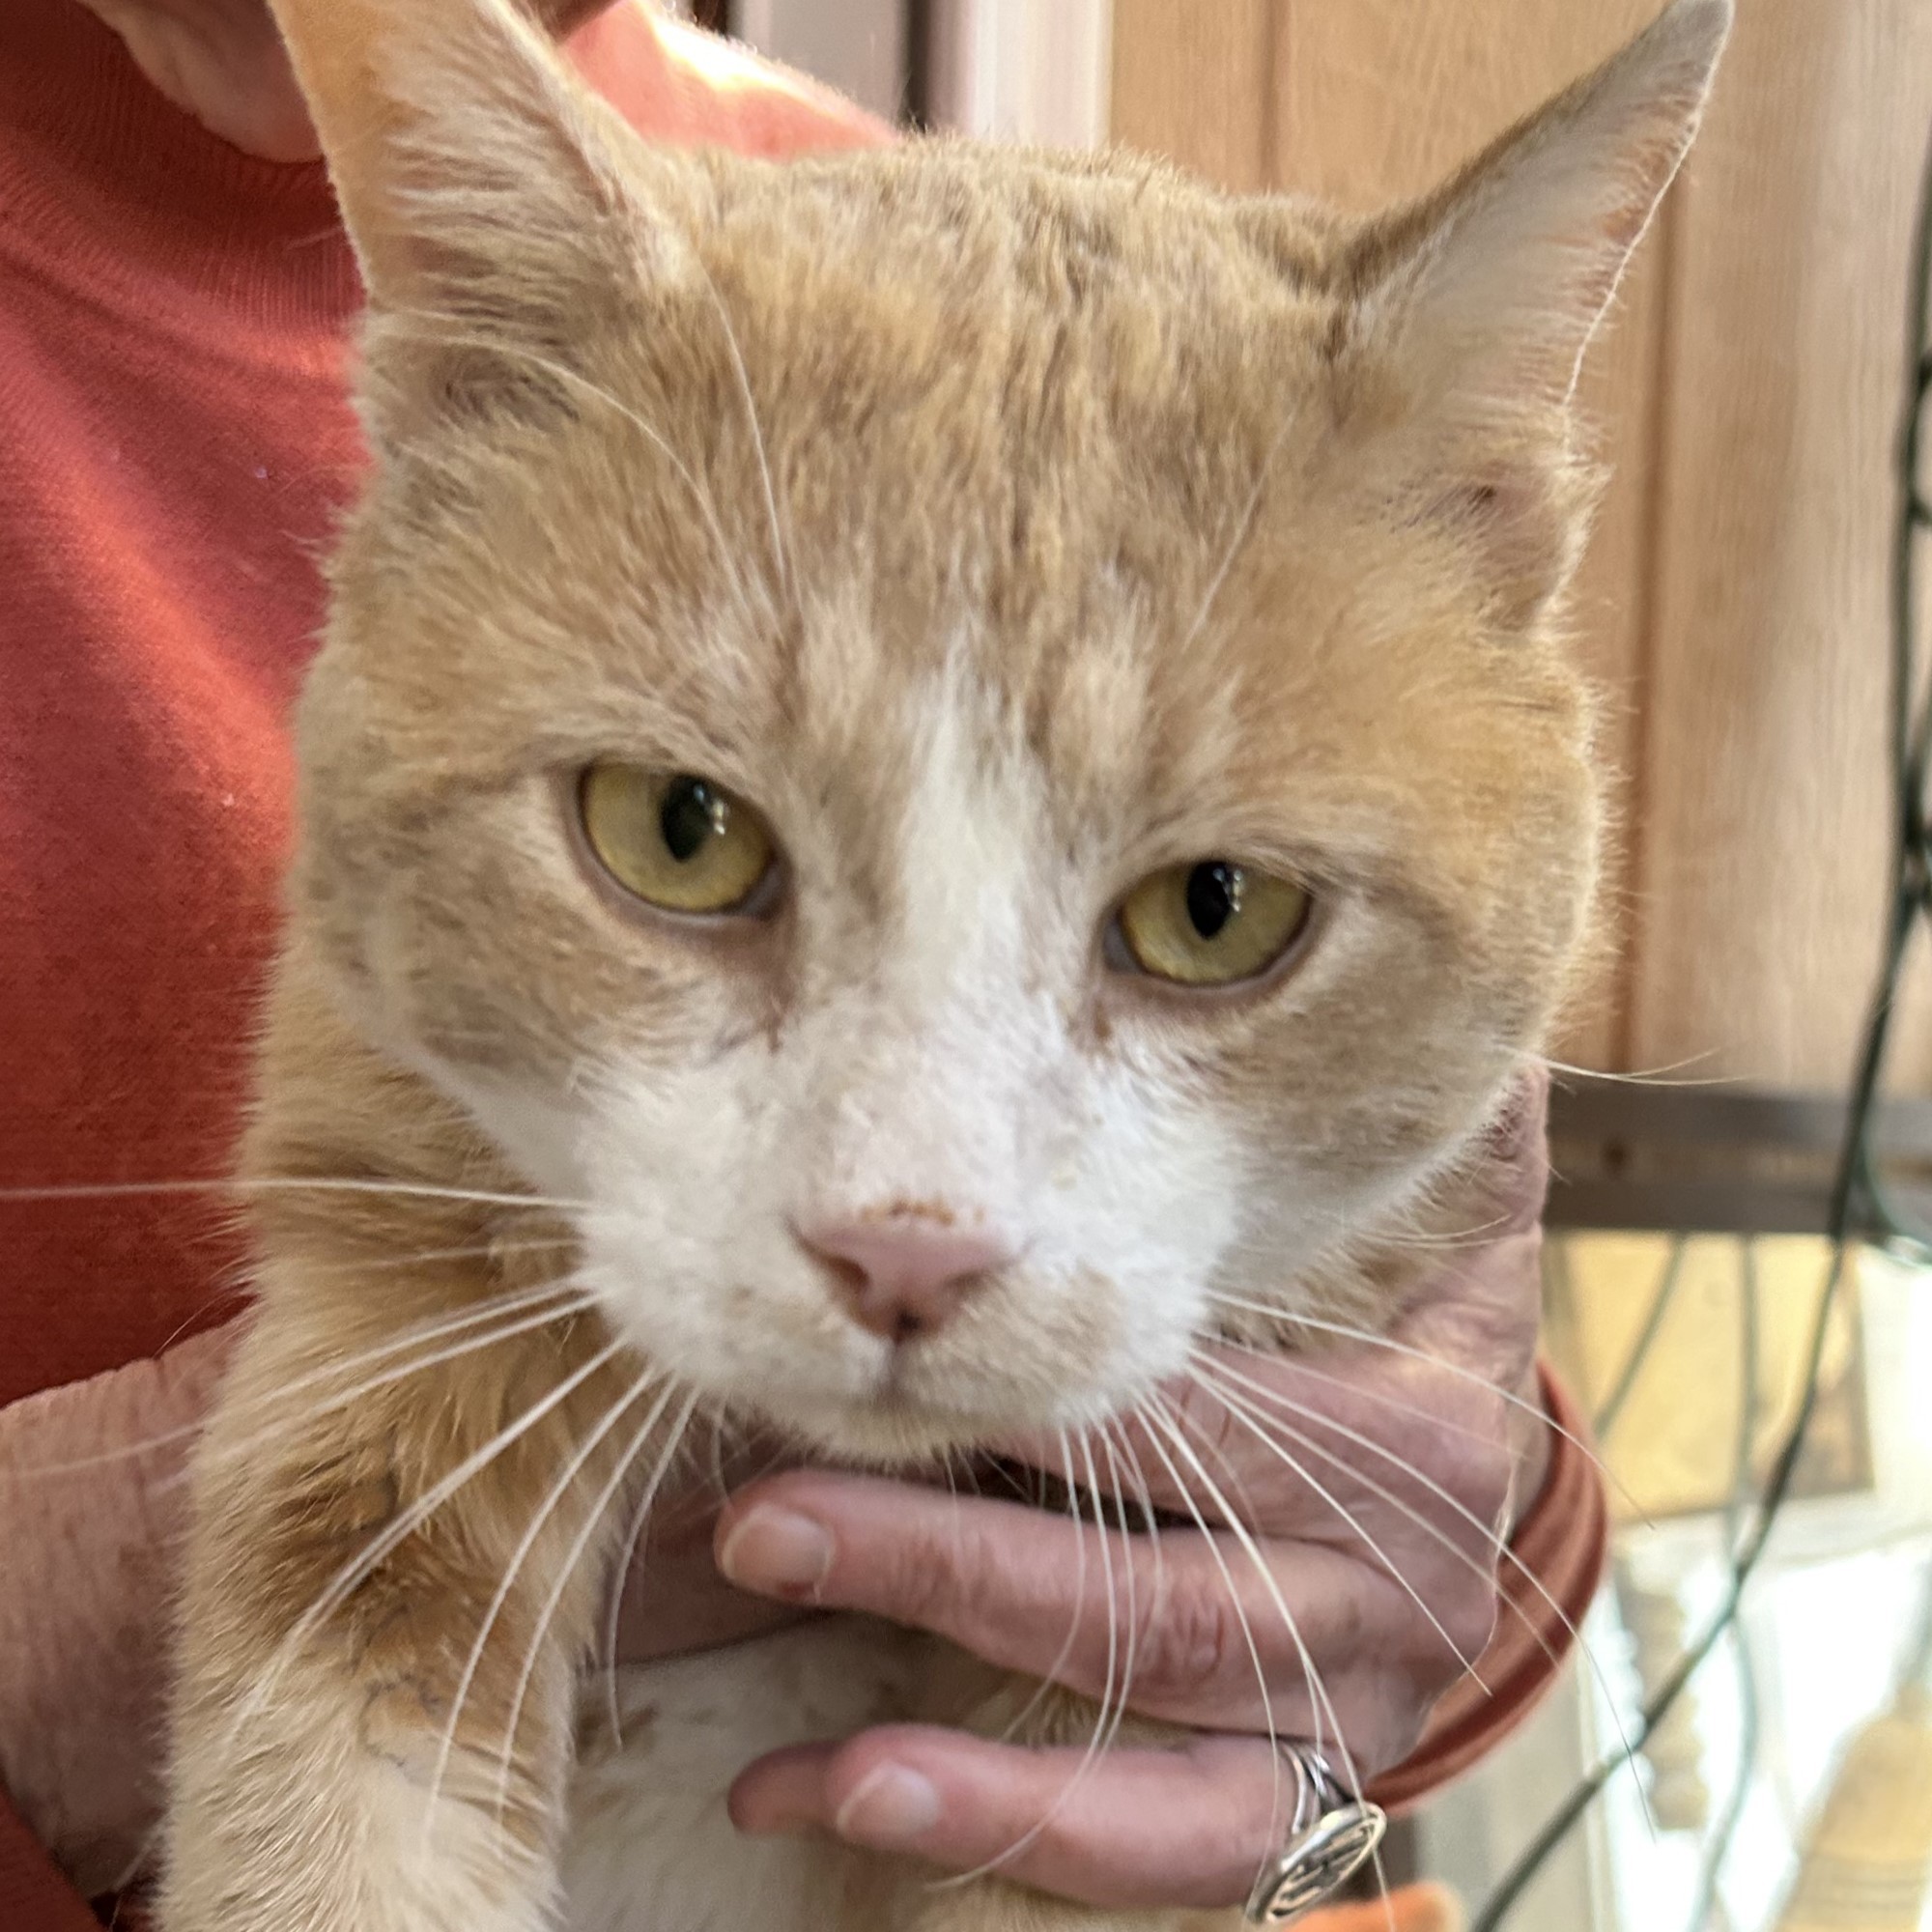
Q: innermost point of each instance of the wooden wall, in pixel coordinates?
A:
(1735, 603)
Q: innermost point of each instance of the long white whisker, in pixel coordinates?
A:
(1151, 1411)
(1056, 1670)
(1304, 1365)
(628, 1546)
(1242, 1413)
(1260, 1392)
(1144, 1494)
(569, 1300)
(1320, 1698)
(1318, 1690)
(1173, 1422)
(1133, 1613)
(477, 1314)
(1650, 1076)
(1500, 1545)
(572, 1558)
(1103, 1731)
(1097, 1743)
(477, 1250)
(1225, 1386)
(715, 1443)
(1348, 1333)
(1112, 1431)
(112, 1190)
(540, 1515)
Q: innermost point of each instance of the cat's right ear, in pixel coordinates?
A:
(483, 189)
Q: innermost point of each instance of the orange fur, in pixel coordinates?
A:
(1006, 526)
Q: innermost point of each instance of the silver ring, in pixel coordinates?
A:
(1330, 1836)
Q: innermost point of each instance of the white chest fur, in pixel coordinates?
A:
(651, 1848)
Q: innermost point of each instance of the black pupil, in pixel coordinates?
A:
(691, 812)
(1213, 896)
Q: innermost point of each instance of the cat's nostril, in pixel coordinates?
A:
(848, 1274)
(904, 1276)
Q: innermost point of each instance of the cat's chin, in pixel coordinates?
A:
(890, 1432)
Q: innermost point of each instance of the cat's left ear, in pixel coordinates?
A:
(1470, 311)
(484, 187)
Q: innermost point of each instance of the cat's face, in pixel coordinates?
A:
(797, 614)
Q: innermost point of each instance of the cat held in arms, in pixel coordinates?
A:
(936, 776)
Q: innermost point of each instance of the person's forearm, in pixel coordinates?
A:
(91, 1510)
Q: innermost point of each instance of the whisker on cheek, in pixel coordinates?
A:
(273, 1184)
(558, 1305)
(559, 1300)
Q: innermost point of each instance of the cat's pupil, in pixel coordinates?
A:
(1213, 896)
(693, 813)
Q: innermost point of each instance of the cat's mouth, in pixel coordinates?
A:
(897, 1421)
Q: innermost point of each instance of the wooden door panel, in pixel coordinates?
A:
(1734, 605)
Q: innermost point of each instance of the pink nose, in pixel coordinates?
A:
(907, 1275)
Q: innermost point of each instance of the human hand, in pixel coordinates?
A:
(92, 1511)
(1372, 1483)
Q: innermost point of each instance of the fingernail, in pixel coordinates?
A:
(892, 1806)
(778, 1553)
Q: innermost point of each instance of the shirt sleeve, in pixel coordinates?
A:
(1547, 1584)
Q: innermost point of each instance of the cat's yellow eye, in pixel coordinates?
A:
(1212, 922)
(675, 840)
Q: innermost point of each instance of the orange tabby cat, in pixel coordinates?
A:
(934, 775)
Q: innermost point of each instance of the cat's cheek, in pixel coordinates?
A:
(540, 1138)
